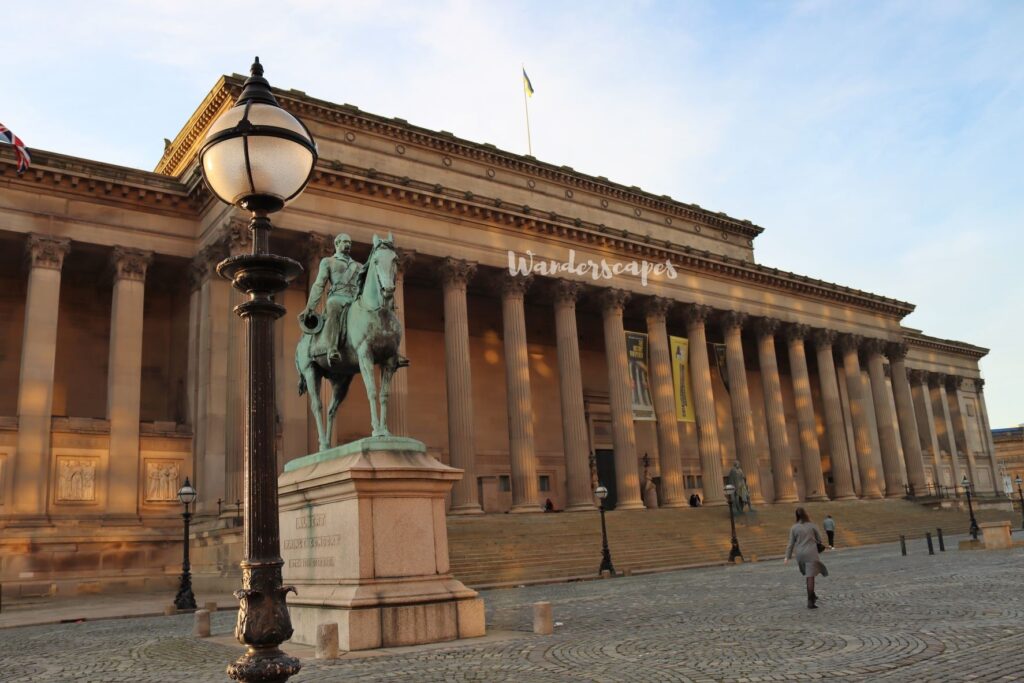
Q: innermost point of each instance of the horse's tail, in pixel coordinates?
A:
(302, 378)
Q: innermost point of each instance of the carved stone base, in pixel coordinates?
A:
(364, 541)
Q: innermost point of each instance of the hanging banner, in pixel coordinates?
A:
(681, 387)
(722, 361)
(637, 352)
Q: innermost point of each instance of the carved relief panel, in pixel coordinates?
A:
(3, 474)
(76, 479)
(161, 481)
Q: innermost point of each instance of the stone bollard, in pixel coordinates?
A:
(327, 641)
(903, 545)
(931, 548)
(543, 624)
(605, 574)
(210, 607)
(201, 628)
(627, 572)
(170, 611)
(942, 542)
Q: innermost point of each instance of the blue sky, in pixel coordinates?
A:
(879, 144)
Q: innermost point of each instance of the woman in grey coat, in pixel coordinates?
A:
(804, 540)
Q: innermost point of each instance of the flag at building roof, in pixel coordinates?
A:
(20, 151)
(526, 84)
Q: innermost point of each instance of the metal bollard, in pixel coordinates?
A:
(903, 545)
(928, 537)
(942, 544)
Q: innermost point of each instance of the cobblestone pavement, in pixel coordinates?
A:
(957, 616)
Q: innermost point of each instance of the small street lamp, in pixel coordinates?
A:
(258, 157)
(970, 508)
(184, 599)
(1020, 494)
(734, 552)
(606, 554)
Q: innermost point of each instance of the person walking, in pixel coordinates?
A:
(830, 531)
(805, 543)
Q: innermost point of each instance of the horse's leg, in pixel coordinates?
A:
(387, 371)
(316, 405)
(340, 388)
(370, 382)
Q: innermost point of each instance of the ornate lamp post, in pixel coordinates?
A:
(257, 157)
(184, 599)
(606, 554)
(970, 508)
(734, 552)
(1020, 494)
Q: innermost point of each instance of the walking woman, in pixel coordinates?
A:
(805, 542)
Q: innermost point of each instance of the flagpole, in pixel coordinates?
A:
(526, 106)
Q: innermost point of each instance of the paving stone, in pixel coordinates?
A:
(882, 618)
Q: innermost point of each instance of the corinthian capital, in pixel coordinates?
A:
(456, 272)
(896, 351)
(766, 327)
(237, 236)
(613, 300)
(514, 286)
(565, 292)
(696, 314)
(45, 251)
(733, 320)
(130, 264)
(406, 257)
(318, 246)
(824, 339)
(657, 307)
(796, 332)
(850, 342)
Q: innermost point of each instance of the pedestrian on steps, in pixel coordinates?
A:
(805, 543)
(830, 531)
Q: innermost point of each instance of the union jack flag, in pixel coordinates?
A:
(20, 151)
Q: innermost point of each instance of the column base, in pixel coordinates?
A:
(631, 505)
(675, 504)
(895, 494)
(467, 509)
(819, 499)
(714, 503)
(526, 508)
(581, 507)
(787, 499)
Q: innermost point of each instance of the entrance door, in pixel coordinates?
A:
(606, 475)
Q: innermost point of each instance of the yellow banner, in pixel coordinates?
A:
(681, 387)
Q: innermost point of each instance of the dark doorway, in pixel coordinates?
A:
(606, 476)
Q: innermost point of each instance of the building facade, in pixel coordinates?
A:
(120, 358)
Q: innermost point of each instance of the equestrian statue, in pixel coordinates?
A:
(357, 330)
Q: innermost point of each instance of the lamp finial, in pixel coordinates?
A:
(256, 69)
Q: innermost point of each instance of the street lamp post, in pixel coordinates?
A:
(1020, 495)
(606, 555)
(734, 552)
(185, 599)
(970, 508)
(258, 157)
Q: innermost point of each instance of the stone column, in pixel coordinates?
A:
(926, 422)
(869, 479)
(739, 396)
(956, 412)
(620, 392)
(574, 419)
(45, 256)
(238, 240)
(521, 449)
(814, 480)
(909, 435)
(124, 381)
(455, 275)
(937, 383)
(775, 414)
(891, 467)
(398, 402)
(704, 405)
(663, 396)
(835, 428)
(211, 427)
(986, 438)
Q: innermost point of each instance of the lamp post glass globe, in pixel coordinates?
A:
(601, 492)
(187, 493)
(257, 155)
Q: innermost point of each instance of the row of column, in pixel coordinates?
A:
(31, 481)
(877, 466)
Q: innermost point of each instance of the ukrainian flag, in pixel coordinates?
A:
(527, 86)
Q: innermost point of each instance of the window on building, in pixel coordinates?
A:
(504, 483)
(545, 482)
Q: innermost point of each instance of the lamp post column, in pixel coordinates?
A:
(1020, 495)
(185, 599)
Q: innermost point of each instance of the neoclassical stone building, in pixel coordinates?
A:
(120, 356)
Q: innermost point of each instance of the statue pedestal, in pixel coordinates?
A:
(364, 542)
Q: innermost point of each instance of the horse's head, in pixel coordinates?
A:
(383, 265)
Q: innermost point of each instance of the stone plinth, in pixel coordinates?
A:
(995, 535)
(364, 542)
